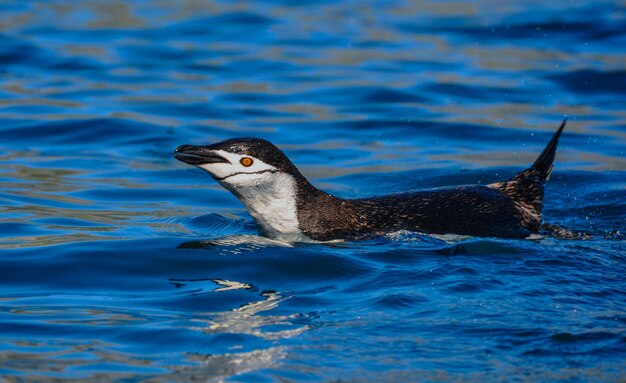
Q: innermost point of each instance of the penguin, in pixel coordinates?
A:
(286, 206)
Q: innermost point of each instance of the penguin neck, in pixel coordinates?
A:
(307, 192)
(304, 190)
(274, 203)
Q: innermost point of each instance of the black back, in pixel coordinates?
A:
(472, 210)
(506, 209)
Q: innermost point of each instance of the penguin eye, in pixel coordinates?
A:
(246, 161)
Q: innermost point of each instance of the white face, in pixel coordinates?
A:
(236, 171)
(268, 194)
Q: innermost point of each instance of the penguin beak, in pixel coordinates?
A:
(198, 155)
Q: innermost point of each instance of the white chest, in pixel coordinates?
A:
(270, 198)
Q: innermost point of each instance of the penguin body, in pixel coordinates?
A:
(285, 205)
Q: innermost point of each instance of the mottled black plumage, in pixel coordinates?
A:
(510, 208)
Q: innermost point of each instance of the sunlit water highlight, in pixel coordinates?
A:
(117, 262)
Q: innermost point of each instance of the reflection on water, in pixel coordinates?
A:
(245, 320)
(59, 356)
(215, 368)
(118, 263)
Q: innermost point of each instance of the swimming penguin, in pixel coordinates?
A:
(285, 205)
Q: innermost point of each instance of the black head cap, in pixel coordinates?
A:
(250, 146)
(258, 148)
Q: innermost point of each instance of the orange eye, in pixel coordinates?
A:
(246, 161)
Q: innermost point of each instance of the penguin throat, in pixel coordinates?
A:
(270, 198)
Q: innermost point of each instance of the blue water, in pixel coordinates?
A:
(119, 263)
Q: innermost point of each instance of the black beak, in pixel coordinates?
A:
(198, 155)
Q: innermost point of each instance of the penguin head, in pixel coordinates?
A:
(238, 162)
(259, 174)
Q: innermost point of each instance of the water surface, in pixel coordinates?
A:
(119, 263)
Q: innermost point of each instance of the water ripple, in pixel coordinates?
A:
(118, 263)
